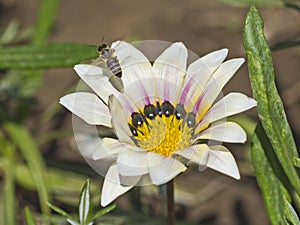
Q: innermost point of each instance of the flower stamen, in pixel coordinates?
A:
(162, 129)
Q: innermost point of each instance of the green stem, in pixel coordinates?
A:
(170, 203)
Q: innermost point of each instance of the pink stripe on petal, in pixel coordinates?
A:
(184, 92)
(198, 103)
(137, 94)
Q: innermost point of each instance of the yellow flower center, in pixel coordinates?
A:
(162, 129)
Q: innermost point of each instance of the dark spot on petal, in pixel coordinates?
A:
(150, 111)
(180, 111)
(167, 109)
(133, 130)
(137, 119)
(191, 119)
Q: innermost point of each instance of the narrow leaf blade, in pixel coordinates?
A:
(272, 189)
(248, 3)
(55, 55)
(9, 200)
(84, 204)
(45, 20)
(28, 217)
(270, 108)
(290, 213)
(60, 211)
(103, 212)
(25, 142)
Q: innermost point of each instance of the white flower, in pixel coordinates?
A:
(163, 115)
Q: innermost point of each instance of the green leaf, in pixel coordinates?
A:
(103, 212)
(25, 143)
(84, 203)
(65, 185)
(60, 211)
(44, 23)
(28, 217)
(45, 20)
(268, 170)
(270, 108)
(9, 200)
(53, 55)
(290, 213)
(72, 222)
(248, 3)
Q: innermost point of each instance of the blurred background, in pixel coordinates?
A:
(202, 198)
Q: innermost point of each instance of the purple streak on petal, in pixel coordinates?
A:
(145, 96)
(147, 100)
(185, 91)
(198, 103)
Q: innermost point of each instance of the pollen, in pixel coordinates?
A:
(162, 128)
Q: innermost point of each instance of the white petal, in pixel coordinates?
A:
(132, 163)
(228, 69)
(136, 70)
(215, 84)
(88, 107)
(198, 73)
(87, 139)
(197, 76)
(111, 188)
(131, 180)
(120, 120)
(214, 59)
(128, 54)
(110, 147)
(141, 92)
(106, 148)
(170, 69)
(100, 83)
(231, 104)
(95, 78)
(221, 159)
(195, 153)
(175, 55)
(225, 131)
(163, 169)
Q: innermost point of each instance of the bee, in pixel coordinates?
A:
(106, 54)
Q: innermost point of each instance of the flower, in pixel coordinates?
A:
(163, 115)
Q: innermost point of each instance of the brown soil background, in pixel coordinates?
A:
(203, 26)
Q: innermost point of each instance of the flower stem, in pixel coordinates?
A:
(170, 203)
